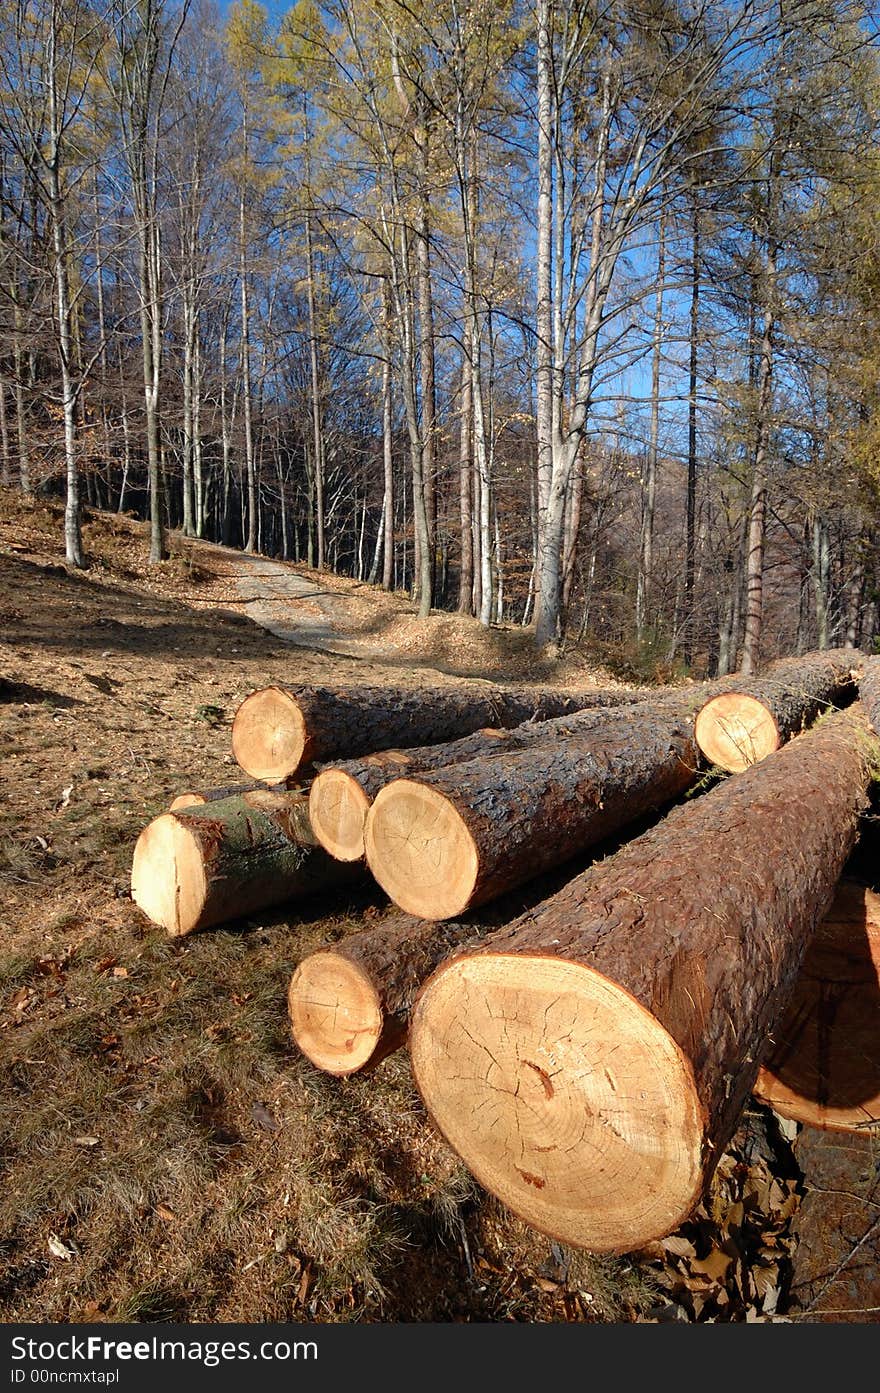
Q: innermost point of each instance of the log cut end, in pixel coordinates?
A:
(187, 800)
(823, 1068)
(168, 879)
(564, 1096)
(269, 735)
(734, 730)
(338, 808)
(335, 1015)
(420, 851)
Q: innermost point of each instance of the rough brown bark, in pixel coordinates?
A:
(278, 730)
(823, 1065)
(590, 1061)
(349, 1005)
(869, 690)
(752, 716)
(341, 794)
(203, 866)
(444, 841)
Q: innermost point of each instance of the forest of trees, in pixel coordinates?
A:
(559, 314)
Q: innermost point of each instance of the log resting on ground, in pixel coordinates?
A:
(590, 1061)
(277, 731)
(823, 1064)
(205, 865)
(442, 842)
(341, 794)
(752, 716)
(349, 1005)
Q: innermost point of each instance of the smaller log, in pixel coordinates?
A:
(349, 1005)
(752, 717)
(206, 865)
(341, 794)
(823, 1065)
(279, 730)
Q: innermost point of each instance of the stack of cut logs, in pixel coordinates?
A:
(589, 1059)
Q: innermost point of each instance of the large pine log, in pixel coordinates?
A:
(205, 865)
(442, 842)
(753, 716)
(823, 1065)
(277, 731)
(349, 1005)
(590, 1061)
(341, 794)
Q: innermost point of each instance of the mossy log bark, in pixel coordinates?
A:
(205, 865)
(753, 716)
(350, 1004)
(277, 731)
(197, 798)
(442, 842)
(823, 1064)
(590, 1061)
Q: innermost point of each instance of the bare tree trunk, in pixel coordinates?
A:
(24, 467)
(758, 509)
(482, 462)
(426, 361)
(725, 625)
(499, 573)
(72, 520)
(549, 599)
(198, 477)
(573, 502)
(533, 526)
(151, 348)
(821, 579)
(317, 433)
(102, 328)
(247, 404)
(465, 467)
(227, 420)
(188, 527)
(468, 180)
(856, 598)
(377, 550)
(649, 479)
(403, 290)
(126, 435)
(544, 256)
(387, 443)
(739, 595)
(476, 546)
(690, 530)
(5, 458)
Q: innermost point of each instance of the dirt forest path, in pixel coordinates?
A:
(293, 608)
(338, 617)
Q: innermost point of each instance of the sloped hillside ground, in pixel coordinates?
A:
(168, 1153)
